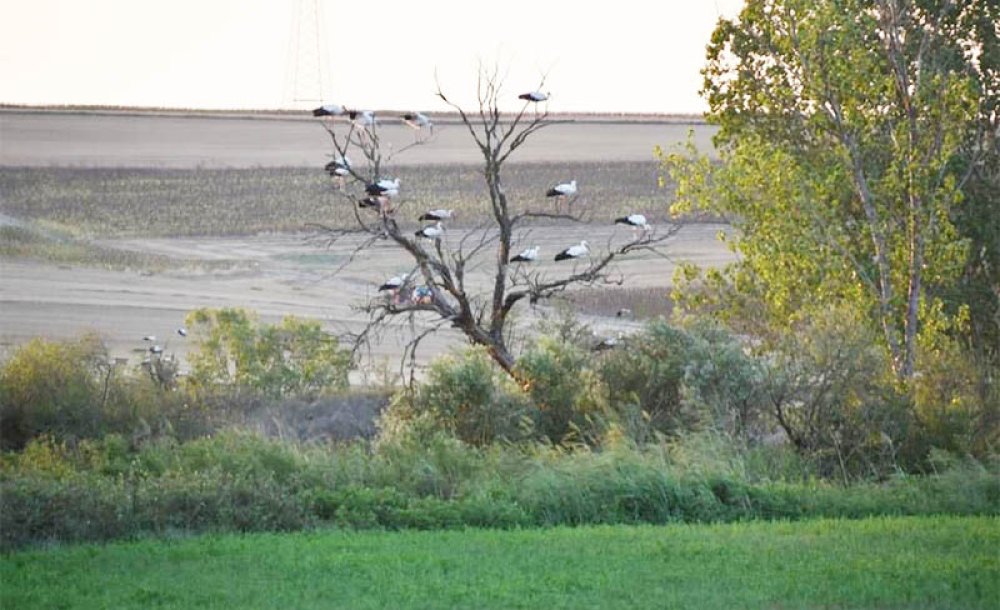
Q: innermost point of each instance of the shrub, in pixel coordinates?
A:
(235, 352)
(53, 387)
(465, 395)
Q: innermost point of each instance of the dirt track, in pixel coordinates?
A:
(277, 274)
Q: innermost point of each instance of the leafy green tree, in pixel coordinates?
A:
(293, 358)
(850, 132)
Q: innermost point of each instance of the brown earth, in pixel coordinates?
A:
(278, 274)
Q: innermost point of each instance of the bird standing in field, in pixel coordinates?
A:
(434, 231)
(562, 192)
(182, 331)
(565, 189)
(528, 255)
(574, 252)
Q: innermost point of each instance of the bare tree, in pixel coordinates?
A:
(438, 287)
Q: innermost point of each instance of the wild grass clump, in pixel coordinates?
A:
(239, 481)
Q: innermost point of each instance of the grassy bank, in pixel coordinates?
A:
(103, 490)
(931, 562)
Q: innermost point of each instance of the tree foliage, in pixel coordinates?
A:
(857, 137)
(292, 358)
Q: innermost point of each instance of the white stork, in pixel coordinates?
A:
(434, 231)
(533, 96)
(149, 338)
(437, 215)
(339, 168)
(528, 255)
(566, 189)
(578, 251)
(418, 121)
(364, 118)
(182, 331)
(393, 283)
(330, 110)
(383, 187)
(156, 349)
(636, 221)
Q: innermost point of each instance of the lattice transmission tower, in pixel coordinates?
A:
(307, 76)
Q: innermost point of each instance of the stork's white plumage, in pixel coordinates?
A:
(156, 349)
(364, 118)
(393, 283)
(329, 110)
(434, 231)
(637, 221)
(339, 166)
(417, 120)
(534, 96)
(527, 255)
(182, 331)
(149, 338)
(566, 189)
(437, 215)
(578, 251)
(386, 187)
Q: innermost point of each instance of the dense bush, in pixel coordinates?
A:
(100, 490)
(236, 353)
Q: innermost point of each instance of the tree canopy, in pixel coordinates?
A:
(858, 144)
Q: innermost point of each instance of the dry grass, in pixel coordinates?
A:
(641, 303)
(97, 202)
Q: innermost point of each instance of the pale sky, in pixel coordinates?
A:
(618, 56)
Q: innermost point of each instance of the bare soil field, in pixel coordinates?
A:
(278, 272)
(41, 139)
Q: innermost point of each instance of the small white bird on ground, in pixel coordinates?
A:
(434, 231)
(182, 331)
(527, 255)
(156, 349)
(566, 189)
(329, 110)
(149, 338)
(574, 252)
(437, 215)
(534, 96)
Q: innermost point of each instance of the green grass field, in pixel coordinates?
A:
(925, 562)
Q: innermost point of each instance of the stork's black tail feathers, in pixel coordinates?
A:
(562, 256)
(553, 193)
